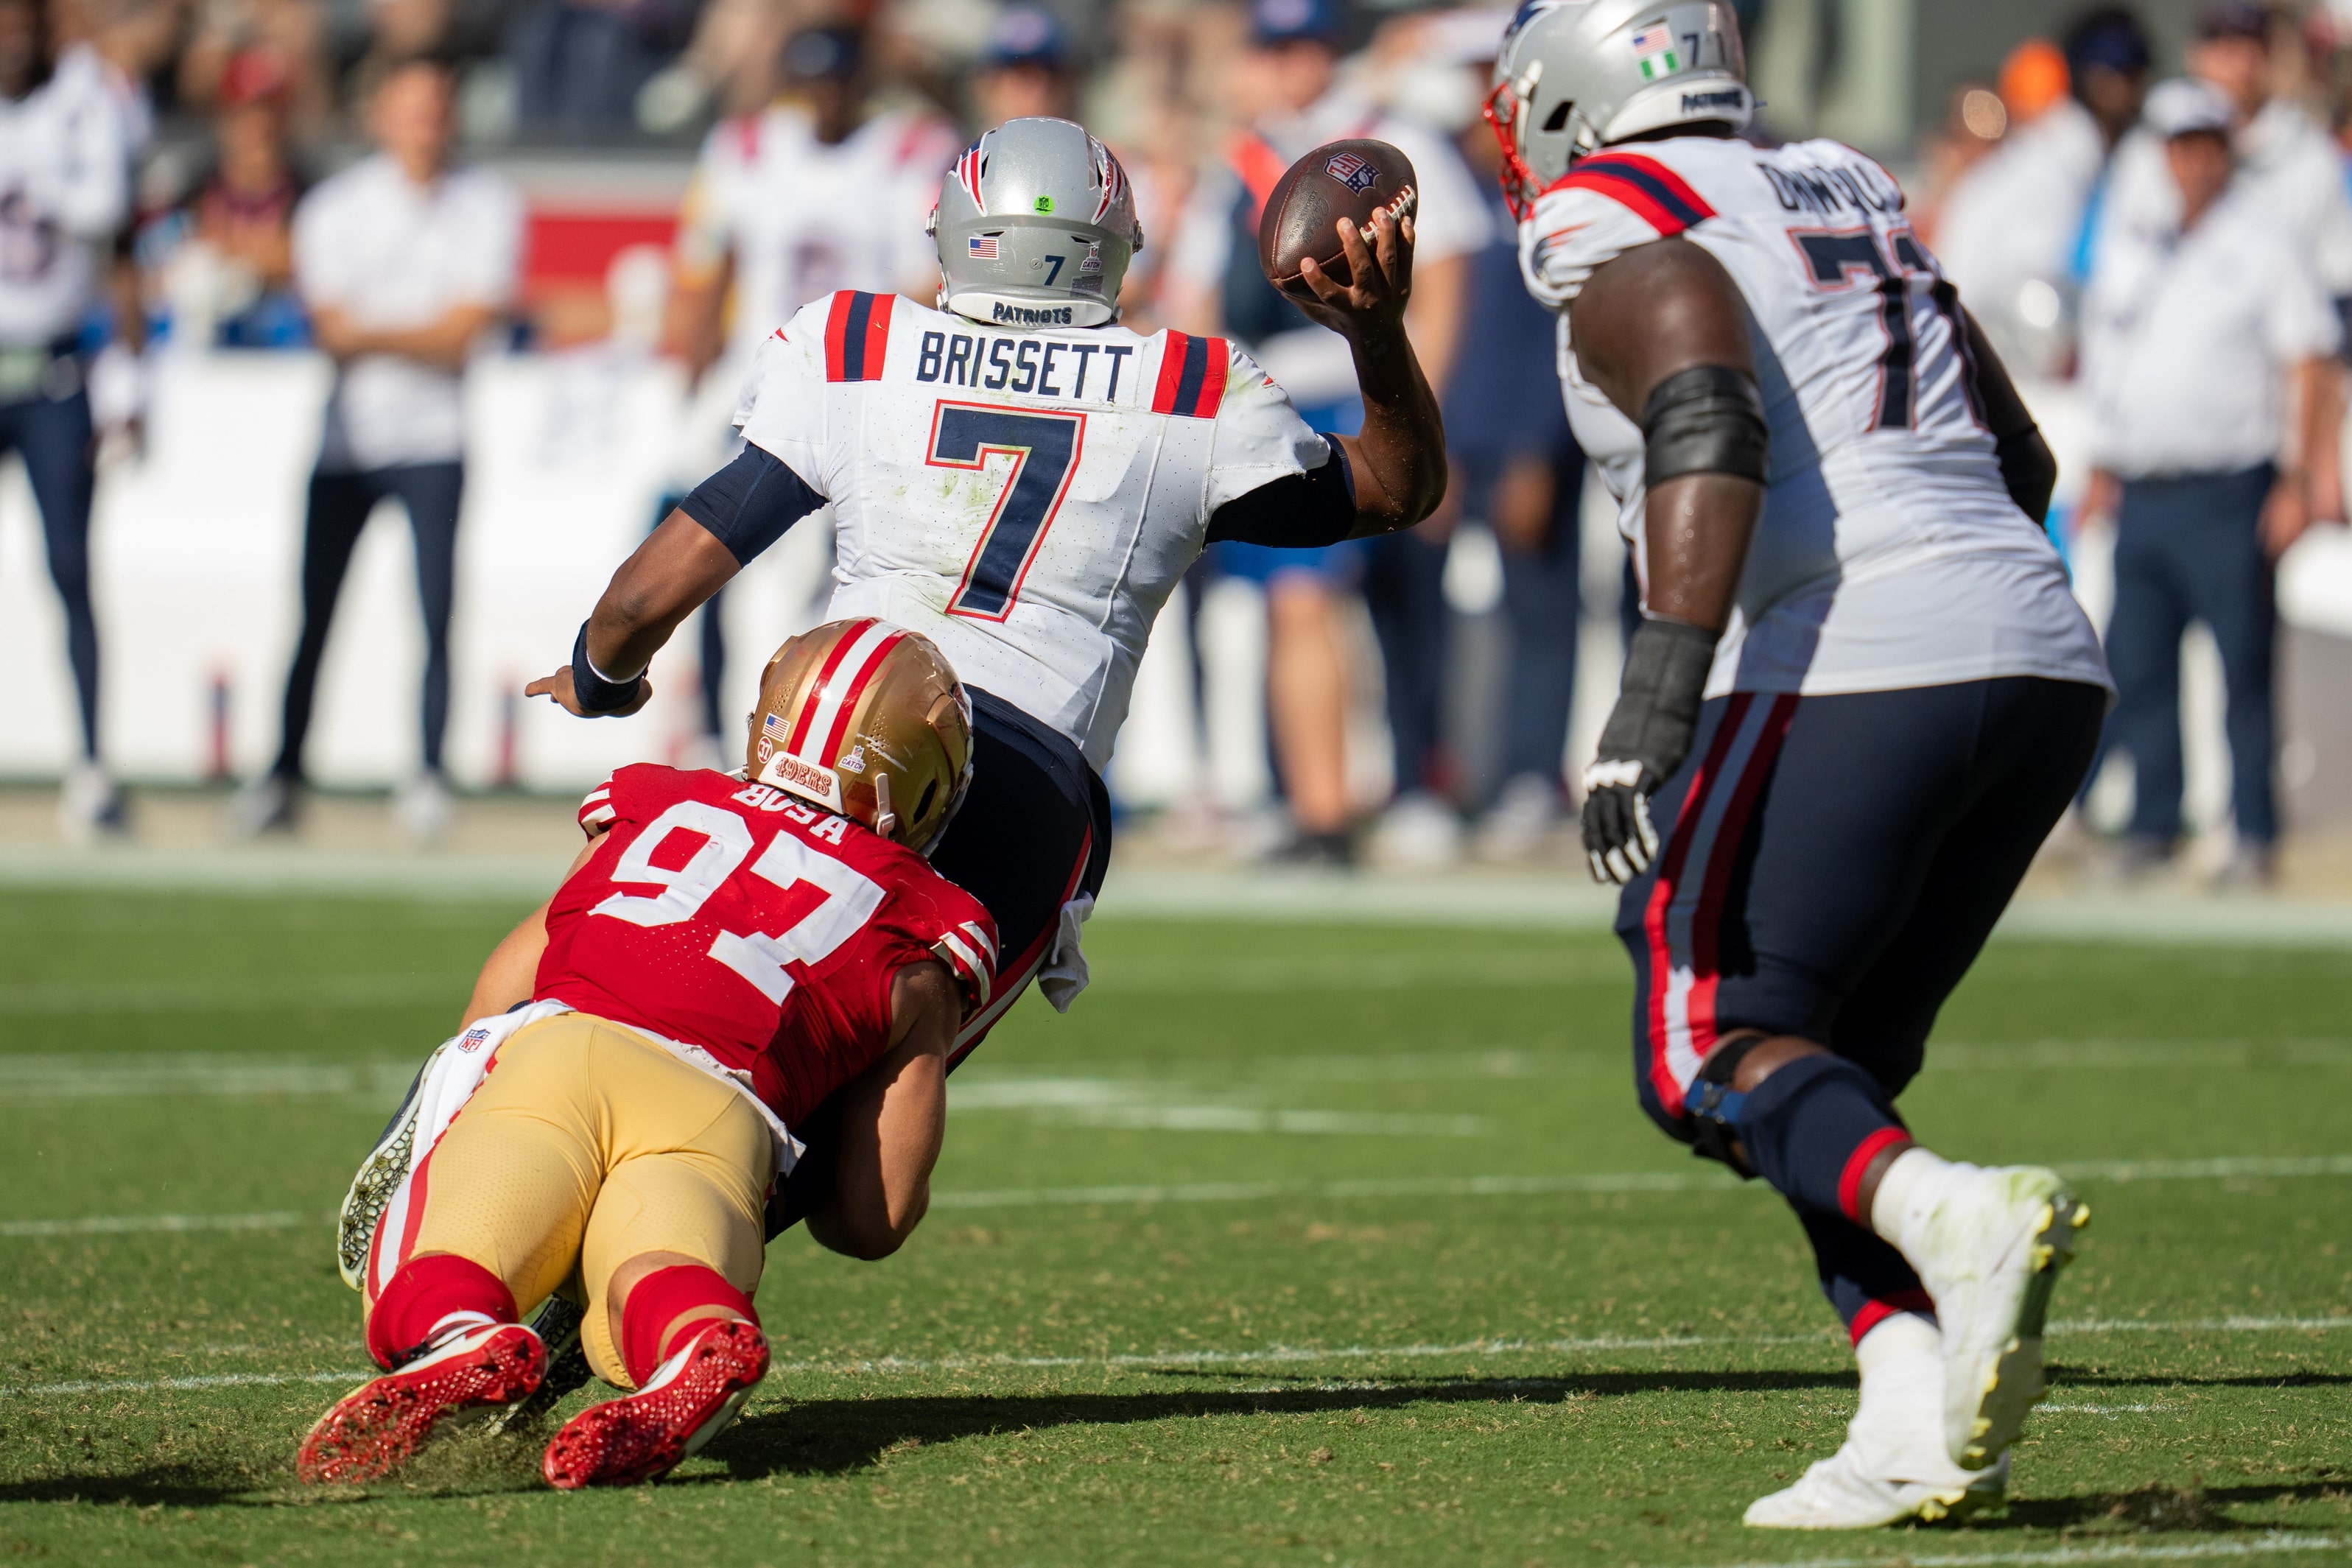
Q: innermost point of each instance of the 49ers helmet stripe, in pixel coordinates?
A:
(868, 719)
(843, 697)
(858, 637)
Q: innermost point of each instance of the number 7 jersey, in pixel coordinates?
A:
(1889, 553)
(1026, 498)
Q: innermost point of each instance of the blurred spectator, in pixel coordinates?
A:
(223, 258)
(2012, 228)
(2200, 330)
(2287, 163)
(1516, 464)
(405, 263)
(64, 195)
(581, 64)
(806, 196)
(1286, 90)
(290, 33)
(1025, 70)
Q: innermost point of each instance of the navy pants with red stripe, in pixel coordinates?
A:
(1833, 865)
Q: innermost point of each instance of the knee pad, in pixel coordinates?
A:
(1715, 1107)
(657, 1302)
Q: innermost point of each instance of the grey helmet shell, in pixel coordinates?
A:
(1035, 226)
(1574, 76)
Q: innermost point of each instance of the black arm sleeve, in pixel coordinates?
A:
(748, 505)
(1297, 511)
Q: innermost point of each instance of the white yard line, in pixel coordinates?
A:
(1177, 1360)
(135, 1224)
(1257, 1192)
(2127, 1550)
(51, 1076)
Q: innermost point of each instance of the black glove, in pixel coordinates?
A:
(1648, 735)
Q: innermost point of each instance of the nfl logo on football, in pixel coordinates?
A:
(1351, 171)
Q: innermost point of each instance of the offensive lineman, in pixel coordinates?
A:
(1023, 480)
(1860, 696)
(722, 957)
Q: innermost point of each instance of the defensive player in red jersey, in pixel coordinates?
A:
(724, 954)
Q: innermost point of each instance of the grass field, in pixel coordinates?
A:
(1290, 1244)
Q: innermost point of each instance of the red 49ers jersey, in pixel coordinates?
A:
(733, 917)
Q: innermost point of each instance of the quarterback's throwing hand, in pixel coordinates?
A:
(1380, 279)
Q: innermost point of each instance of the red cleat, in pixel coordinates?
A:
(687, 1403)
(378, 1427)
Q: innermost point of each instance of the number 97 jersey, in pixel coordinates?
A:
(1025, 495)
(732, 918)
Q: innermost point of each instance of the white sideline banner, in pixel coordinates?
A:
(196, 555)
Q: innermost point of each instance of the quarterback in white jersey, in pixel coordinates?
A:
(1026, 498)
(1860, 695)
(1023, 480)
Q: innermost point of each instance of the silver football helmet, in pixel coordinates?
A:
(1576, 75)
(1035, 226)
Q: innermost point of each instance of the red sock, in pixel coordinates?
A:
(657, 1302)
(423, 1292)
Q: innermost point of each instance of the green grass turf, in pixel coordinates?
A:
(1596, 1377)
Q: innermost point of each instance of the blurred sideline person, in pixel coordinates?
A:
(1522, 471)
(64, 195)
(986, 462)
(805, 196)
(2286, 161)
(1024, 73)
(1285, 84)
(1835, 749)
(404, 263)
(2011, 234)
(619, 1136)
(2202, 334)
(220, 262)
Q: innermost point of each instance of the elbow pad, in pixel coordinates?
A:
(1708, 419)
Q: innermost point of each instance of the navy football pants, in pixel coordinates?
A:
(1831, 867)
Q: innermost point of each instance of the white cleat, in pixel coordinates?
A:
(1892, 1467)
(1853, 1490)
(1988, 1244)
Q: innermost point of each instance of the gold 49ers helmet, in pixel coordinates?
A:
(868, 719)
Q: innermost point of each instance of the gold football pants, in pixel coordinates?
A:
(586, 1145)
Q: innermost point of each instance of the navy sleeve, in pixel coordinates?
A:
(1297, 511)
(748, 505)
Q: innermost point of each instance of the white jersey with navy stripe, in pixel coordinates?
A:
(1889, 553)
(1026, 498)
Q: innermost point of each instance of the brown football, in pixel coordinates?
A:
(1349, 180)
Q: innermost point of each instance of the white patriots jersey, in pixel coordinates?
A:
(1025, 499)
(804, 218)
(1889, 554)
